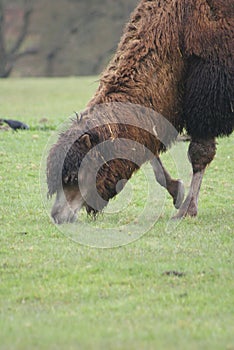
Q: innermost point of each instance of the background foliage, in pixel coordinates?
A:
(67, 37)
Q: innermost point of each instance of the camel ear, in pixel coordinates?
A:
(85, 139)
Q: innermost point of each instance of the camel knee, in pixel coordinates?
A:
(201, 153)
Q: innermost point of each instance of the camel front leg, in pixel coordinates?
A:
(201, 153)
(174, 187)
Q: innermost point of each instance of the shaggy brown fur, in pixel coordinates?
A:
(73, 145)
(175, 57)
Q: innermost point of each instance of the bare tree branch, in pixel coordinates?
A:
(7, 71)
(2, 42)
(3, 59)
(25, 53)
(8, 58)
(24, 31)
(11, 60)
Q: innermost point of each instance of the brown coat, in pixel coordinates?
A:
(176, 58)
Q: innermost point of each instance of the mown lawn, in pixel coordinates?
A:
(58, 294)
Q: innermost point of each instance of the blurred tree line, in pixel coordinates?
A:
(59, 37)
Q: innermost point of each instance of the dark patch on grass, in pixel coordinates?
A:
(174, 273)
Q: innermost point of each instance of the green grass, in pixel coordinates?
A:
(57, 294)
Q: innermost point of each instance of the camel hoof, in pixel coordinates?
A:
(182, 213)
(178, 216)
(179, 197)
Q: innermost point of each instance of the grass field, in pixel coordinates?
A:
(57, 294)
